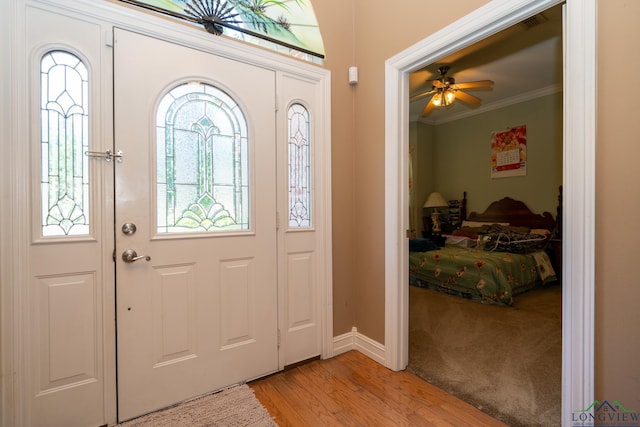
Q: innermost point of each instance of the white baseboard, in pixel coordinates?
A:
(356, 341)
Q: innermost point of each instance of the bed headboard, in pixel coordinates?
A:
(515, 213)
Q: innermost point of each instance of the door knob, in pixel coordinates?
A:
(129, 228)
(131, 255)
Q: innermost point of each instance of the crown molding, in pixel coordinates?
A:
(517, 99)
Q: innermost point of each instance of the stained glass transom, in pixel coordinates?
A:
(64, 114)
(202, 173)
(288, 26)
(299, 167)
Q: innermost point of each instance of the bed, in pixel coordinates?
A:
(492, 257)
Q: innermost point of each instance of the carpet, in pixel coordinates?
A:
(235, 406)
(506, 361)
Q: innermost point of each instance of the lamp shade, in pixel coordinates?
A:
(435, 200)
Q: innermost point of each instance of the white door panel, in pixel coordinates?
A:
(201, 313)
(298, 269)
(70, 274)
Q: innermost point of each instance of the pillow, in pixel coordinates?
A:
(542, 231)
(465, 242)
(466, 223)
(466, 231)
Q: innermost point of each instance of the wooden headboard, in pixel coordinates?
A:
(515, 213)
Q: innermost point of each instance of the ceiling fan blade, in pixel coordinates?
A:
(428, 108)
(438, 84)
(420, 95)
(465, 97)
(469, 85)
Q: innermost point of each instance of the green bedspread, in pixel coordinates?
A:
(491, 277)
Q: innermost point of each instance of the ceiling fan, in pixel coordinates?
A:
(445, 91)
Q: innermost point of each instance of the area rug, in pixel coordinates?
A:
(236, 406)
(506, 361)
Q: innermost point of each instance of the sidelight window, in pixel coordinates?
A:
(299, 167)
(64, 113)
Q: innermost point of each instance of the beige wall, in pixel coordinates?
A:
(382, 30)
(368, 35)
(336, 21)
(617, 204)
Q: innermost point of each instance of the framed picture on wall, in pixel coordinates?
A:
(509, 152)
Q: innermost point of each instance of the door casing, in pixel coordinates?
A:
(578, 180)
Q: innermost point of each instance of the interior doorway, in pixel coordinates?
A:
(579, 140)
(489, 355)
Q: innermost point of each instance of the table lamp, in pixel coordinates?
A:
(435, 201)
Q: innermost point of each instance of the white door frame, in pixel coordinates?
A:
(15, 228)
(578, 178)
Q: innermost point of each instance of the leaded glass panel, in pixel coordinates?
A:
(202, 173)
(64, 112)
(299, 167)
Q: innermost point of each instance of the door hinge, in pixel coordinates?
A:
(277, 220)
(408, 233)
(114, 255)
(279, 337)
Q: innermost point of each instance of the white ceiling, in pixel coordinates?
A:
(524, 62)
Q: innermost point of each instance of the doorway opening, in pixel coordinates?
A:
(478, 340)
(578, 179)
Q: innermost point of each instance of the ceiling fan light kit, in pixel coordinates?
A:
(444, 98)
(445, 91)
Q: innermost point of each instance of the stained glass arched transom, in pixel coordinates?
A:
(64, 114)
(202, 174)
(288, 26)
(299, 166)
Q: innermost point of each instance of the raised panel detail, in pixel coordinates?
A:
(174, 313)
(236, 308)
(300, 290)
(68, 319)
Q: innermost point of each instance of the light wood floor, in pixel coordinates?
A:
(353, 390)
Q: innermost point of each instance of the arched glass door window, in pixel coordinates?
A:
(299, 166)
(202, 173)
(64, 131)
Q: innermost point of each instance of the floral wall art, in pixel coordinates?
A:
(509, 152)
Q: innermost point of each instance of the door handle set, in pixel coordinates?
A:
(131, 255)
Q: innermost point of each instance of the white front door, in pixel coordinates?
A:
(196, 209)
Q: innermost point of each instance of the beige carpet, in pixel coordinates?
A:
(507, 361)
(235, 406)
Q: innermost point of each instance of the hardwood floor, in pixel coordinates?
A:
(353, 390)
